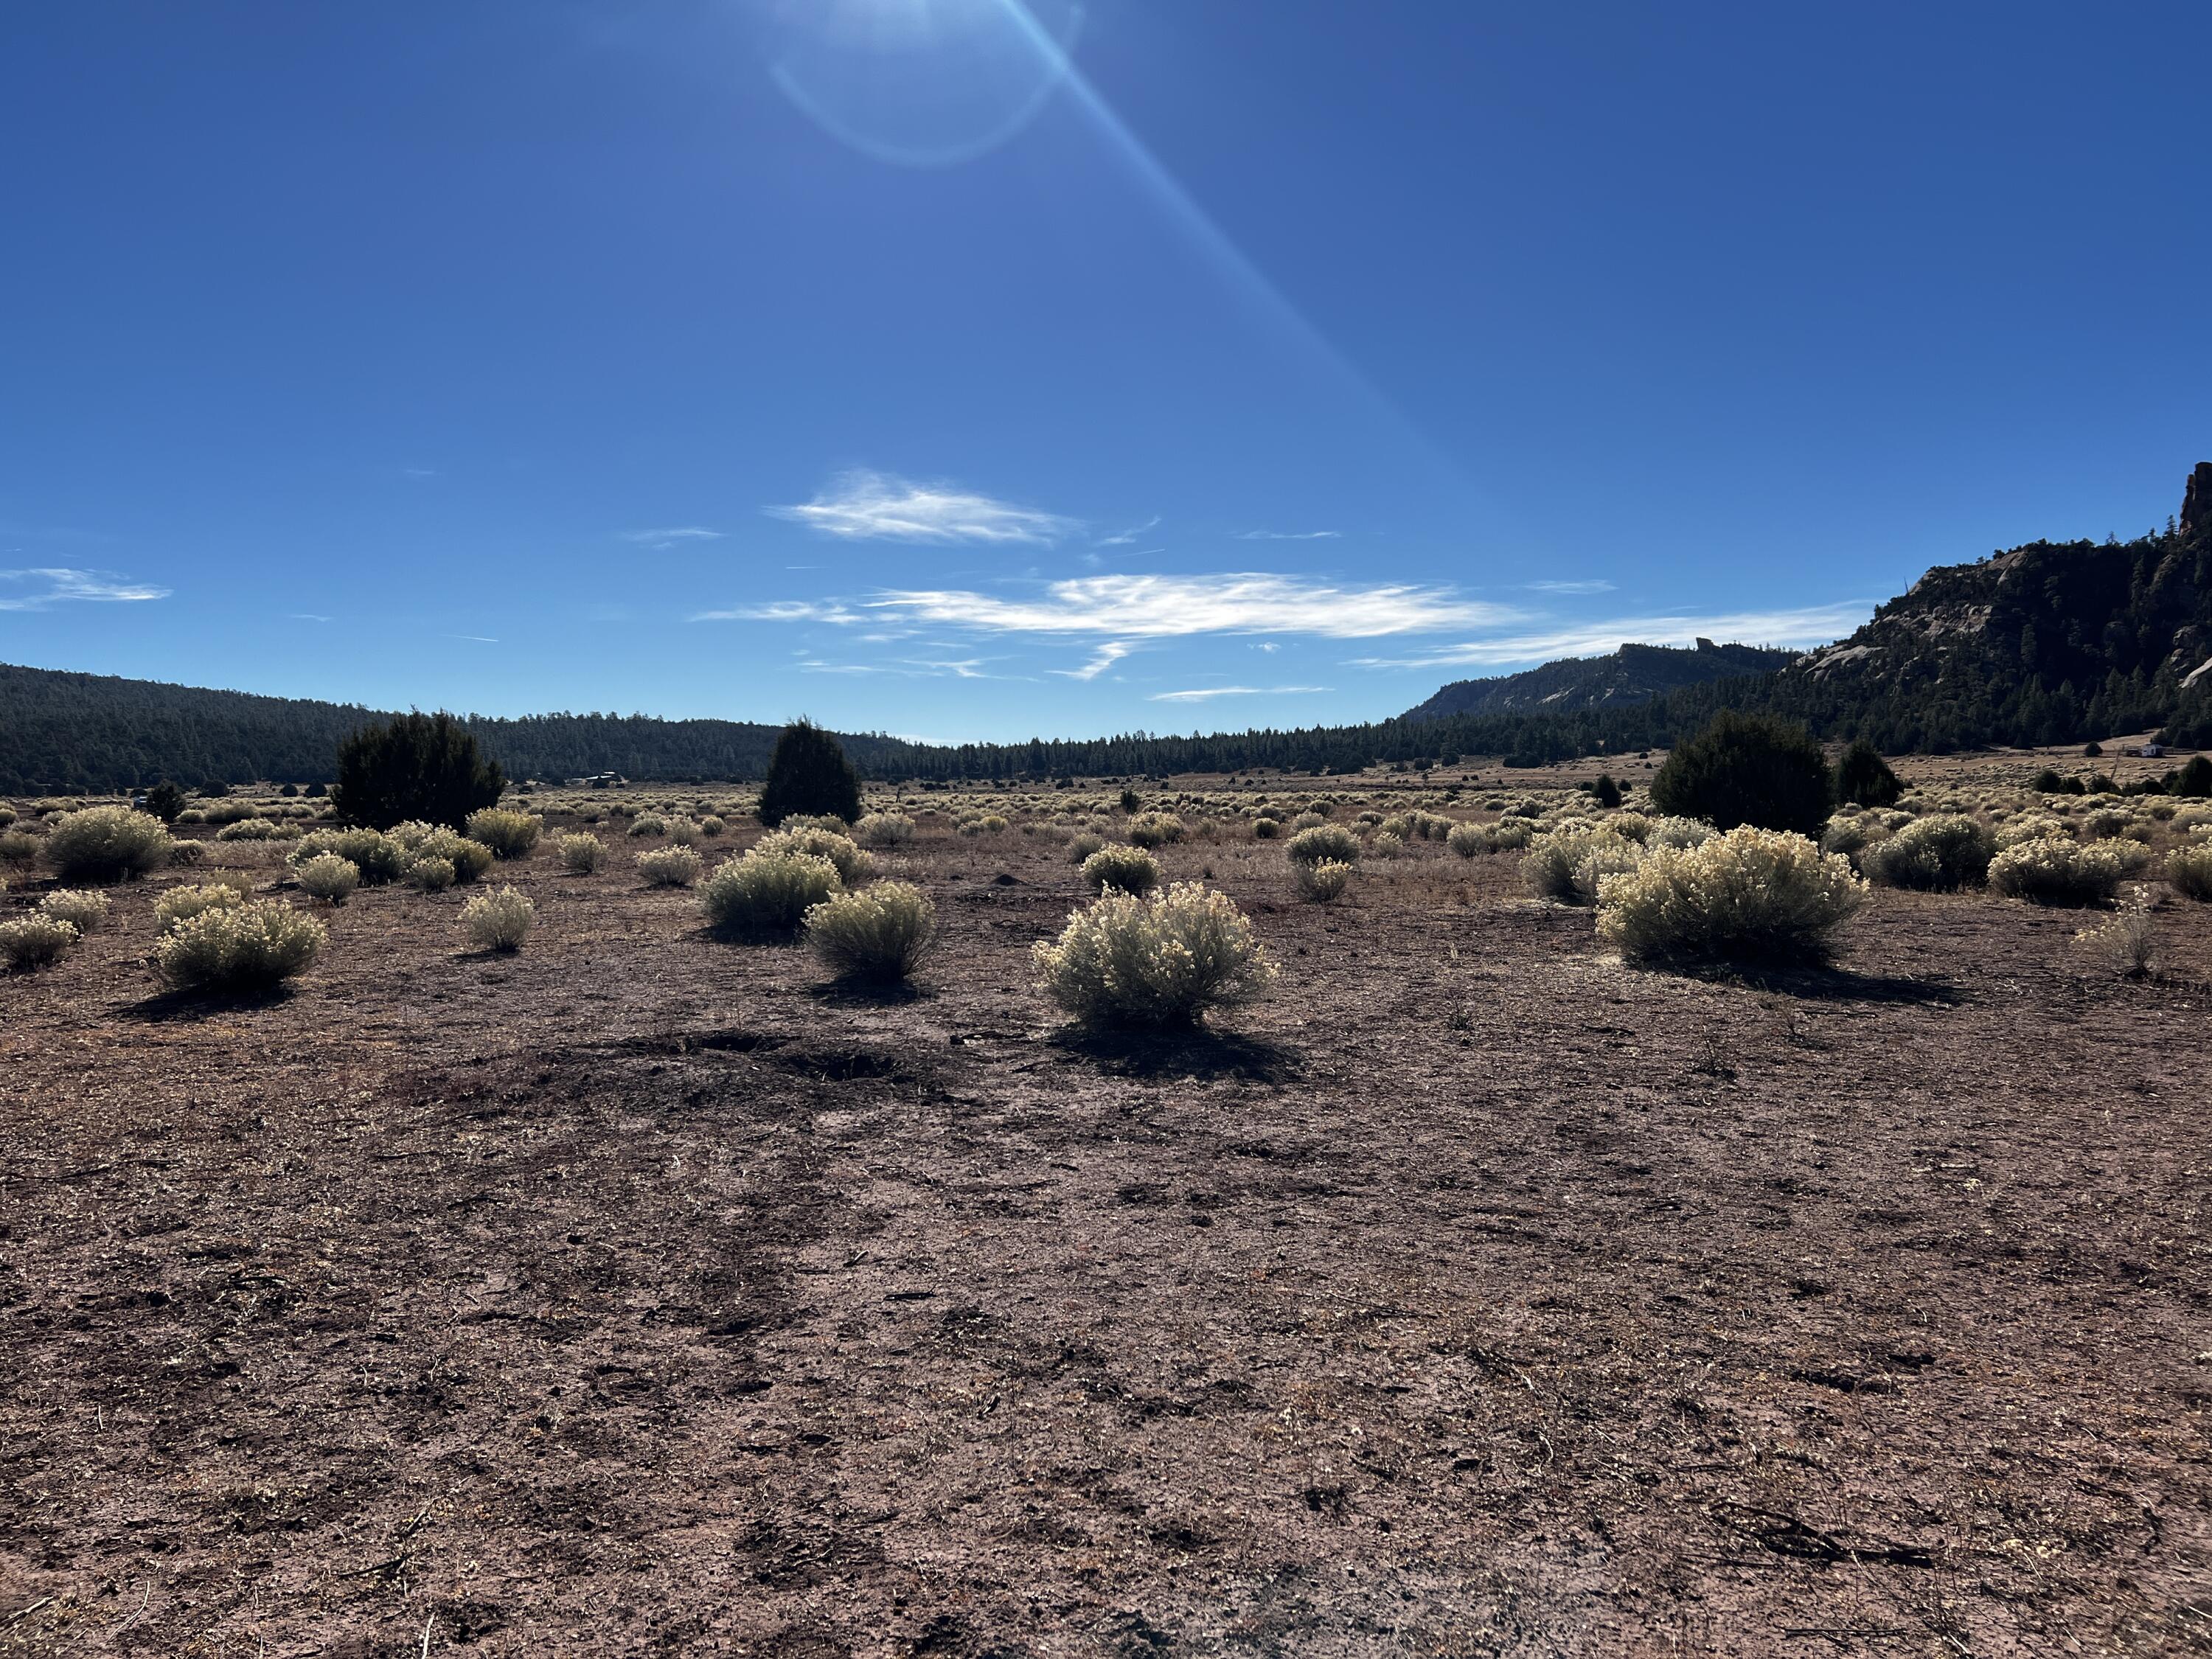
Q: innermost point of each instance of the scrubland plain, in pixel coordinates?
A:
(586, 1280)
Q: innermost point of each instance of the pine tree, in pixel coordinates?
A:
(808, 776)
(420, 766)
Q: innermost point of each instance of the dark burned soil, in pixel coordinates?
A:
(1475, 1295)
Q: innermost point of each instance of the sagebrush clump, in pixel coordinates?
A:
(34, 941)
(884, 829)
(510, 834)
(760, 896)
(1163, 961)
(2189, 869)
(669, 867)
(581, 852)
(499, 920)
(329, 877)
(1122, 869)
(811, 841)
(107, 843)
(1937, 855)
(878, 934)
(173, 908)
(252, 946)
(1323, 882)
(1329, 842)
(2049, 871)
(379, 857)
(1547, 869)
(1751, 894)
(86, 912)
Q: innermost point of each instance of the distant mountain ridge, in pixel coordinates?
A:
(1634, 673)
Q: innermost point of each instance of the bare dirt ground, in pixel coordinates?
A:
(1475, 1295)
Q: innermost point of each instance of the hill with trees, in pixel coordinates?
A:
(1634, 673)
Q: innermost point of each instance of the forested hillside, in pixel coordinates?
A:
(1634, 673)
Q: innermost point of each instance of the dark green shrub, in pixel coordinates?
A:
(420, 766)
(2194, 779)
(1863, 776)
(1129, 802)
(1606, 791)
(2046, 782)
(1747, 768)
(808, 776)
(165, 800)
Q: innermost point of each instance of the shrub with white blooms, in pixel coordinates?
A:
(1751, 894)
(1155, 962)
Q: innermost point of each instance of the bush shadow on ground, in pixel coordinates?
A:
(163, 1007)
(1822, 983)
(866, 993)
(1191, 1051)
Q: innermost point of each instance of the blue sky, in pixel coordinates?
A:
(969, 369)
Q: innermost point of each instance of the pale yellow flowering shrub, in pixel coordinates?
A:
(884, 829)
(1323, 882)
(500, 920)
(1547, 869)
(1332, 843)
(1155, 829)
(1083, 844)
(329, 877)
(173, 908)
(379, 857)
(810, 840)
(246, 947)
(766, 895)
(1603, 860)
(1123, 869)
(669, 867)
(1161, 961)
(2189, 869)
(581, 852)
(1749, 894)
(1935, 855)
(34, 941)
(86, 912)
(107, 843)
(2047, 871)
(510, 834)
(878, 934)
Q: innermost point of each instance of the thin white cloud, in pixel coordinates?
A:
(1208, 692)
(1593, 586)
(660, 540)
(1101, 660)
(37, 589)
(306, 615)
(1288, 535)
(474, 639)
(1157, 606)
(1128, 537)
(1813, 625)
(878, 506)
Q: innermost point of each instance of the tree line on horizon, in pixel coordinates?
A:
(2081, 643)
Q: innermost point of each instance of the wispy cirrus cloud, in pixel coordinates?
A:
(1160, 606)
(1593, 586)
(1128, 537)
(1288, 535)
(861, 506)
(1101, 660)
(673, 537)
(39, 588)
(1809, 626)
(1207, 694)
